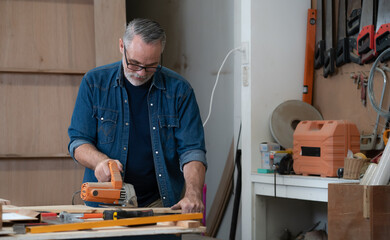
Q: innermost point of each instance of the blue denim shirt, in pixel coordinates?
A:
(101, 118)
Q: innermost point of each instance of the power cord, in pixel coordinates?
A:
(74, 195)
(370, 85)
(216, 81)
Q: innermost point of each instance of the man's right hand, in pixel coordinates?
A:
(102, 170)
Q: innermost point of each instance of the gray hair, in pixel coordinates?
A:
(150, 31)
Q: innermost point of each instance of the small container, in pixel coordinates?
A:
(265, 149)
(353, 166)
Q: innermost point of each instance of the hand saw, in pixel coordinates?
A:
(382, 36)
(320, 43)
(329, 51)
(354, 11)
(365, 39)
(342, 54)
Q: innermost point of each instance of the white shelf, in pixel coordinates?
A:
(294, 186)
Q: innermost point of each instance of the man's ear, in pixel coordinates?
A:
(121, 45)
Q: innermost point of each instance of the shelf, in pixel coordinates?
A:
(294, 186)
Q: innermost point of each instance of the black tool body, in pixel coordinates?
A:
(329, 59)
(342, 53)
(320, 43)
(354, 12)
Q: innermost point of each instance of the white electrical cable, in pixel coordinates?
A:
(216, 82)
(370, 86)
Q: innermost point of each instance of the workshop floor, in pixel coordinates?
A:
(196, 237)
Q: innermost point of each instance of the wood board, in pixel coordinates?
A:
(107, 45)
(47, 35)
(36, 112)
(29, 182)
(82, 209)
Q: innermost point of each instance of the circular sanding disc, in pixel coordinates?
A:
(285, 118)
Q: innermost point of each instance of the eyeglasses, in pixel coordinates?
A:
(136, 67)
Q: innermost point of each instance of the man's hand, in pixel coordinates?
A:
(189, 204)
(194, 173)
(88, 156)
(102, 170)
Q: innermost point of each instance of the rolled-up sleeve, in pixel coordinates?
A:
(190, 134)
(82, 128)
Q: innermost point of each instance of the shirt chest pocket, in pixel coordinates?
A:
(106, 128)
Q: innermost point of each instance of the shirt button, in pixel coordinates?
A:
(151, 104)
(156, 152)
(164, 198)
(124, 148)
(125, 101)
(127, 124)
(154, 128)
(159, 175)
(102, 118)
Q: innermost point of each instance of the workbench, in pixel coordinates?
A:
(158, 231)
(295, 201)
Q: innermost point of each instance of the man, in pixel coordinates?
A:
(146, 118)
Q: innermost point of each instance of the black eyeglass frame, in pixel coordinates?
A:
(139, 67)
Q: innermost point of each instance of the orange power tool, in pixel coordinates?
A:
(114, 192)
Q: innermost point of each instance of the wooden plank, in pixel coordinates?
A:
(111, 223)
(29, 182)
(49, 71)
(60, 35)
(380, 212)
(345, 212)
(103, 232)
(36, 112)
(107, 45)
(222, 196)
(84, 209)
(40, 156)
(188, 224)
(4, 202)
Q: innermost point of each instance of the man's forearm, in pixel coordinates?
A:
(194, 174)
(89, 156)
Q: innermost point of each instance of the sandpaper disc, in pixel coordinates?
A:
(285, 118)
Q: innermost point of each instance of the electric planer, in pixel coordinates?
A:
(115, 192)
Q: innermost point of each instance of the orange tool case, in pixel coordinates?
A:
(321, 146)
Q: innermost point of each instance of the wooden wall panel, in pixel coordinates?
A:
(337, 97)
(47, 35)
(107, 45)
(36, 112)
(46, 46)
(33, 182)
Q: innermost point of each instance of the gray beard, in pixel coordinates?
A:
(129, 77)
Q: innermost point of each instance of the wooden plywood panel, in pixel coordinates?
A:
(29, 182)
(47, 35)
(36, 112)
(110, 17)
(337, 97)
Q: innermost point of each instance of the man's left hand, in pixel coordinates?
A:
(189, 204)
(194, 173)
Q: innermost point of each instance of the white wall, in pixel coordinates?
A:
(199, 35)
(276, 33)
